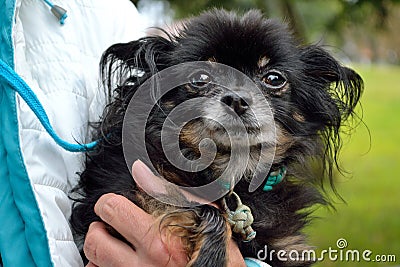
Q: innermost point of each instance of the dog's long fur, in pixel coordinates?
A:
(320, 95)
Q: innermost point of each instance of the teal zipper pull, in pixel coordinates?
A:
(59, 12)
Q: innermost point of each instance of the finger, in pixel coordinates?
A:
(91, 264)
(125, 217)
(154, 185)
(235, 258)
(100, 248)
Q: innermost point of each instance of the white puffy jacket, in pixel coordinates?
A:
(60, 64)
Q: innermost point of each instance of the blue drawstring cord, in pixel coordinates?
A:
(17, 84)
(57, 11)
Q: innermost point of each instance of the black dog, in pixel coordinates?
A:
(311, 95)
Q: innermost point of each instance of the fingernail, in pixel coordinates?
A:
(141, 169)
(105, 206)
(146, 180)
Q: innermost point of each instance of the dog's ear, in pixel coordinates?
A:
(144, 57)
(124, 67)
(329, 97)
(334, 89)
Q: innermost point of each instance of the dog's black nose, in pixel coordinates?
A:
(239, 102)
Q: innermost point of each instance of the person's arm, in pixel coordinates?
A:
(139, 229)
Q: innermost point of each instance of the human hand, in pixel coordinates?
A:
(148, 246)
(138, 228)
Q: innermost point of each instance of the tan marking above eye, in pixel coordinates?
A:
(212, 59)
(263, 61)
(169, 104)
(298, 117)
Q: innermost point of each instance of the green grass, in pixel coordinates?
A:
(371, 218)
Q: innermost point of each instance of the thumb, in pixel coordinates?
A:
(156, 186)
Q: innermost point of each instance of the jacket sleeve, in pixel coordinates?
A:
(60, 64)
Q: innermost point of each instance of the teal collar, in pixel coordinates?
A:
(274, 178)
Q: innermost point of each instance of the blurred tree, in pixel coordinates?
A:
(356, 11)
(350, 11)
(310, 20)
(272, 8)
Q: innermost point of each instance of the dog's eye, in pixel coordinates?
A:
(200, 79)
(274, 80)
